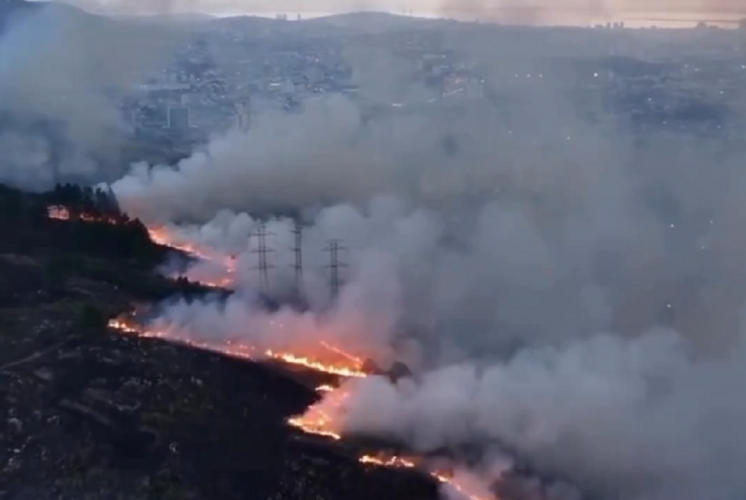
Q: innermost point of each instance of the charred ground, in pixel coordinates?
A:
(89, 413)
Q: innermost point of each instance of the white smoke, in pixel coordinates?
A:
(576, 234)
(360, 322)
(622, 418)
(501, 247)
(59, 71)
(261, 172)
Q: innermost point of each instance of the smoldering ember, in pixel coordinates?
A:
(493, 253)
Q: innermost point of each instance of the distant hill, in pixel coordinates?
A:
(358, 22)
(14, 9)
(244, 21)
(164, 18)
(367, 21)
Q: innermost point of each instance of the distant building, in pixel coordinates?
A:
(742, 24)
(178, 117)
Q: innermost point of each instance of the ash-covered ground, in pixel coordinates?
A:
(88, 413)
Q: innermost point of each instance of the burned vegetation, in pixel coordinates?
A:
(88, 412)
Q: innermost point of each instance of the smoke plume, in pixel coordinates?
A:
(60, 69)
(626, 418)
(569, 285)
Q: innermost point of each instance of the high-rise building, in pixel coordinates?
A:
(178, 117)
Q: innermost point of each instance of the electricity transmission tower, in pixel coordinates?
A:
(262, 252)
(334, 265)
(298, 251)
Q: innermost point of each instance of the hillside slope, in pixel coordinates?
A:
(89, 413)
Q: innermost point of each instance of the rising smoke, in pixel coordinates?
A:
(574, 290)
(60, 70)
(502, 256)
(624, 418)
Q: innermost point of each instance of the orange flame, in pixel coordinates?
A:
(241, 350)
(58, 212)
(410, 463)
(161, 236)
(393, 461)
(61, 212)
(317, 419)
(316, 426)
(333, 369)
(123, 326)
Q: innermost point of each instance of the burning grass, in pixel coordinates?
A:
(82, 405)
(160, 235)
(335, 361)
(318, 419)
(327, 358)
(60, 212)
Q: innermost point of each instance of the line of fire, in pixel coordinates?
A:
(323, 368)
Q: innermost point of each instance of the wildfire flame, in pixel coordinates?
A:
(397, 462)
(316, 426)
(126, 328)
(317, 419)
(165, 237)
(456, 485)
(393, 461)
(60, 212)
(242, 350)
(333, 369)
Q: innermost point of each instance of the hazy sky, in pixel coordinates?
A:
(495, 9)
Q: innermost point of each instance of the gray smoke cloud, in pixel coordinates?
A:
(566, 288)
(59, 72)
(567, 223)
(260, 172)
(624, 418)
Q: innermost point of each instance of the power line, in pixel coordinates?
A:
(298, 251)
(262, 252)
(335, 265)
